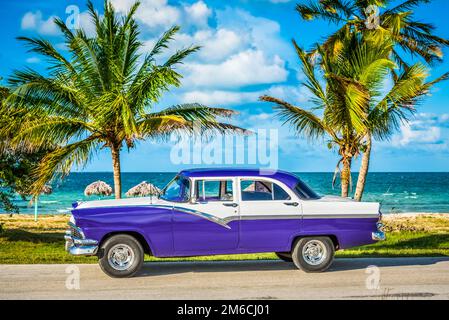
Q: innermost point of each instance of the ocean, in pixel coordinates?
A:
(397, 192)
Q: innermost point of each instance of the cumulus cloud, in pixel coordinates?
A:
(216, 45)
(198, 13)
(35, 21)
(237, 48)
(152, 13)
(244, 68)
(219, 97)
(291, 94)
(423, 131)
(260, 33)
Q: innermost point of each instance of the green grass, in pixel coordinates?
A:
(23, 241)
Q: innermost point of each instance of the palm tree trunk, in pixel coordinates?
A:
(345, 177)
(364, 167)
(117, 173)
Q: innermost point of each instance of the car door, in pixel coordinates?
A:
(206, 225)
(270, 215)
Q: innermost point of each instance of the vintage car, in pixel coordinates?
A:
(223, 211)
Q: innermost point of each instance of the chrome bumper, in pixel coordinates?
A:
(379, 235)
(77, 244)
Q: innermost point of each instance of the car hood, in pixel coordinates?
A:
(143, 201)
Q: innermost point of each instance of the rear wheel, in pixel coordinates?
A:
(313, 254)
(121, 256)
(285, 256)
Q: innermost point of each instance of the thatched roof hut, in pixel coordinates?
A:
(47, 189)
(100, 188)
(143, 189)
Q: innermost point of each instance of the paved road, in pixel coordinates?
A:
(400, 278)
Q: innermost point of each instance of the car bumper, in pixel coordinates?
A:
(379, 235)
(76, 243)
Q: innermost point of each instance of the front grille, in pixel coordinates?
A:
(75, 232)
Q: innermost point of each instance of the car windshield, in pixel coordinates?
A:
(178, 190)
(305, 192)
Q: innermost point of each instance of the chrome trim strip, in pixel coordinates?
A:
(264, 217)
(83, 251)
(340, 216)
(79, 246)
(200, 214)
(224, 222)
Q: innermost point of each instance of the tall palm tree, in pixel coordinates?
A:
(396, 24)
(347, 104)
(342, 101)
(395, 107)
(100, 94)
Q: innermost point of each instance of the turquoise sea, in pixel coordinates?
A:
(397, 192)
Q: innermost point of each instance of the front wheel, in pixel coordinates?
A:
(121, 256)
(313, 254)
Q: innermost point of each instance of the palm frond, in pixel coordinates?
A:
(59, 162)
(303, 121)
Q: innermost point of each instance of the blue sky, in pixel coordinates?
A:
(246, 52)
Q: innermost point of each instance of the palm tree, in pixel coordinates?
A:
(100, 95)
(386, 115)
(353, 80)
(342, 102)
(395, 24)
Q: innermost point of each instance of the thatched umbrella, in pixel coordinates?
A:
(143, 189)
(99, 188)
(45, 190)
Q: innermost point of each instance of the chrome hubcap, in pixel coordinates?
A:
(121, 257)
(314, 252)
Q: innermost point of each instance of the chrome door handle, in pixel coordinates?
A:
(234, 205)
(293, 204)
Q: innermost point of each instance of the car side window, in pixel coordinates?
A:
(260, 190)
(214, 190)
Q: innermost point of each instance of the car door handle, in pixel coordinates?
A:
(293, 204)
(234, 205)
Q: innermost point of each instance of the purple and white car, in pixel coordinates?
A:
(223, 211)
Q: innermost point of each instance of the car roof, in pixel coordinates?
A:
(286, 177)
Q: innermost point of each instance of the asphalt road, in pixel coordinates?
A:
(398, 278)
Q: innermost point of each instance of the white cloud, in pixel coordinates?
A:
(260, 33)
(423, 131)
(86, 23)
(219, 97)
(241, 69)
(237, 49)
(198, 13)
(412, 135)
(35, 21)
(152, 13)
(291, 94)
(216, 45)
